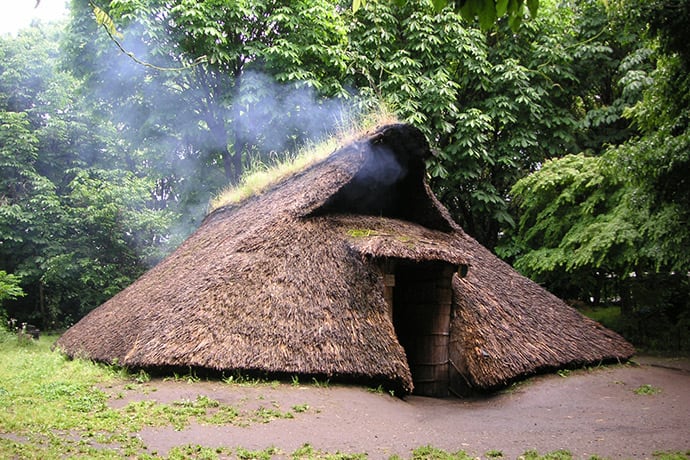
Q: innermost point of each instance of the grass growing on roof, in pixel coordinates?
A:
(260, 176)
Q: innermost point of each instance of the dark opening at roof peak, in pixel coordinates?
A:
(389, 180)
(406, 141)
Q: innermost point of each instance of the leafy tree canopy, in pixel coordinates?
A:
(9, 287)
(496, 105)
(486, 11)
(617, 222)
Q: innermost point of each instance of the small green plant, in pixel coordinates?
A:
(433, 453)
(564, 373)
(320, 383)
(205, 401)
(265, 415)
(245, 380)
(295, 381)
(225, 415)
(304, 452)
(299, 408)
(142, 377)
(197, 452)
(189, 377)
(646, 389)
(307, 452)
(494, 454)
(266, 454)
(672, 455)
(555, 455)
(378, 390)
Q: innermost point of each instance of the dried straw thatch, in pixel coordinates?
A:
(293, 282)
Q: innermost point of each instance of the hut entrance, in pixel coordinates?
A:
(419, 296)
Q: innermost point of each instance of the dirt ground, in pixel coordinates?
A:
(586, 412)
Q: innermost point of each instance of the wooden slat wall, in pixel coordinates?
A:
(422, 305)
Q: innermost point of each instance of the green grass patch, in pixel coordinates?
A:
(672, 455)
(555, 455)
(243, 380)
(433, 453)
(308, 452)
(55, 407)
(609, 317)
(646, 389)
(361, 232)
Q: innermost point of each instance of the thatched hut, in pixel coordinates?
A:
(353, 270)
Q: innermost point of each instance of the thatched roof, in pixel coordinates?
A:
(282, 283)
(508, 326)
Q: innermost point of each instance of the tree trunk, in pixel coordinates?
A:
(42, 305)
(232, 165)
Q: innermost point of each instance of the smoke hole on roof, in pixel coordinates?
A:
(391, 184)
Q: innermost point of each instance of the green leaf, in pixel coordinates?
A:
(357, 4)
(501, 7)
(487, 15)
(533, 6)
(10, 286)
(468, 11)
(439, 4)
(515, 20)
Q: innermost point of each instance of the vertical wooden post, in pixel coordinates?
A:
(42, 305)
(388, 278)
(388, 290)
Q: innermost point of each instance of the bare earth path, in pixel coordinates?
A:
(586, 412)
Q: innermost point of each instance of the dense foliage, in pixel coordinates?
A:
(76, 222)
(612, 225)
(486, 11)
(496, 104)
(562, 144)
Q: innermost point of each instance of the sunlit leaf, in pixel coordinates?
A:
(104, 19)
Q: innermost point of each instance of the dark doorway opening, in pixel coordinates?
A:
(419, 296)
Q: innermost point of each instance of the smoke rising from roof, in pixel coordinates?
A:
(373, 190)
(183, 126)
(278, 117)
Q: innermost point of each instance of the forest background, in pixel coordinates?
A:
(561, 140)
